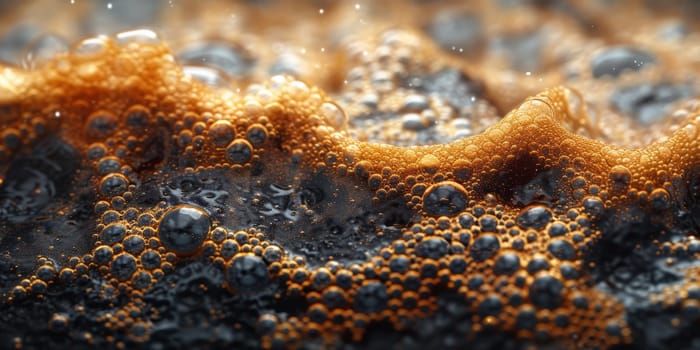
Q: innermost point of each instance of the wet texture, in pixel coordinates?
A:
(390, 193)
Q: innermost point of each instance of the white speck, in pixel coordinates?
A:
(473, 98)
(72, 1)
(364, 53)
(528, 73)
(57, 114)
(303, 51)
(109, 5)
(461, 49)
(321, 11)
(357, 7)
(323, 49)
(345, 82)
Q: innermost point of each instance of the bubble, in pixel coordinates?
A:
(221, 133)
(108, 165)
(466, 220)
(545, 292)
(230, 58)
(103, 255)
(334, 115)
(568, 271)
(557, 229)
(660, 199)
(58, 323)
(320, 279)
(613, 329)
(620, 177)
(42, 50)
(239, 151)
(649, 102)
(414, 122)
(490, 306)
(256, 135)
(46, 273)
(615, 60)
(267, 324)
(415, 103)
(101, 124)
(207, 75)
(433, 248)
(183, 229)
(561, 320)
(372, 297)
(580, 302)
(562, 249)
(488, 223)
(96, 151)
(150, 260)
(142, 280)
(134, 244)
(457, 265)
(537, 264)
(229, 248)
(507, 264)
(536, 217)
(475, 282)
(318, 313)
(11, 138)
(446, 198)
(123, 266)
(272, 254)
(334, 298)
(137, 119)
(399, 264)
(593, 206)
(113, 233)
(113, 185)
(484, 247)
(247, 273)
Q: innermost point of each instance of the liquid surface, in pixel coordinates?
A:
(350, 175)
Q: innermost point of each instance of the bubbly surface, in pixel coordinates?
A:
(347, 175)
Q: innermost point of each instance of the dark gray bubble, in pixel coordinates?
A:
(454, 30)
(507, 264)
(546, 291)
(112, 234)
(123, 266)
(523, 49)
(649, 102)
(14, 43)
(246, 273)
(371, 298)
(226, 57)
(617, 59)
(433, 248)
(536, 217)
(484, 247)
(562, 249)
(183, 229)
(444, 199)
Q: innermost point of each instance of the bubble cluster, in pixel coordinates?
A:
(300, 211)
